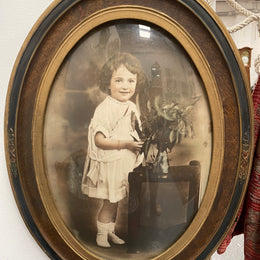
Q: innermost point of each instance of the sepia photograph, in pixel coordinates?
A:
(127, 140)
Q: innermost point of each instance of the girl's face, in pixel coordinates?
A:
(122, 84)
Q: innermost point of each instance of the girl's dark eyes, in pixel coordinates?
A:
(131, 81)
(121, 80)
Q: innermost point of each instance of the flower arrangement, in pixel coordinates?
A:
(164, 123)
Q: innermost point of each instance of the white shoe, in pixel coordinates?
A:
(113, 237)
(102, 234)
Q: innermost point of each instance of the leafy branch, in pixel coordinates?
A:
(165, 124)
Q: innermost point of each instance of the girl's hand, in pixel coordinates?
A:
(107, 144)
(133, 146)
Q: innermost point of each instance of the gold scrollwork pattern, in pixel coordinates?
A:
(244, 160)
(12, 152)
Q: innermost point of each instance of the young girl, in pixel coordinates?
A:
(113, 143)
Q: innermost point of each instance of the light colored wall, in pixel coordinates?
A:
(16, 19)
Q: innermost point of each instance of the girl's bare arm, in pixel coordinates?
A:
(108, 144)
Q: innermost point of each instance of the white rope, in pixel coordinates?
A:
(209, 2)
(248, 20)
(251, 17)
(239, 7)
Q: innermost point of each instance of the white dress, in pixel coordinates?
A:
(105, 173)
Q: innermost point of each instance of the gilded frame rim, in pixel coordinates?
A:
(16, 113)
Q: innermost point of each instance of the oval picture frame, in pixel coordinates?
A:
(196, 85)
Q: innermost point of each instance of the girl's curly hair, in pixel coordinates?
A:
(130, 62)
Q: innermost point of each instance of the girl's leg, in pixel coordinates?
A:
(108, 212)
(106, 225)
